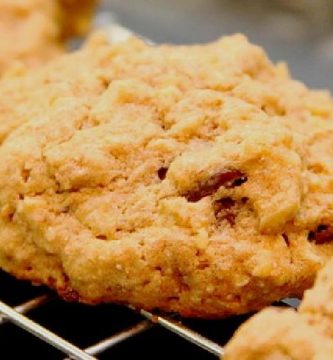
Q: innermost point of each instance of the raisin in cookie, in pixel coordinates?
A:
(34, 31)
(194, 179)
(287, 335)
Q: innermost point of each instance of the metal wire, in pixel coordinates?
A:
(43, 333)
(28, 306)
(15, 315)
(186, 333)
(116, 339)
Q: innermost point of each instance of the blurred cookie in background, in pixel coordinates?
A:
(34, 31)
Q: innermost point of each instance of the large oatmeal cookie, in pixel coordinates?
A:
(195, 179)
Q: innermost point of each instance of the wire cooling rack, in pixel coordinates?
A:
(18, 315)
(142, 322)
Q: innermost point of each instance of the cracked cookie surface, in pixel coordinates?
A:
(194, 179)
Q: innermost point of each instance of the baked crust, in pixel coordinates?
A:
(194, 179)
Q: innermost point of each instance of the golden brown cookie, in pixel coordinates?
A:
(35, 31)
(195, 179)
(317, 304)
(281, 334)
(276, 334)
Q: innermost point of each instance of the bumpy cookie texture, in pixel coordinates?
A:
(194, 179)
(276, 334)
(281, 334)
(318, 302)
(35, 31)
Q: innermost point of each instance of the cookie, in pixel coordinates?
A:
(281, 335)
(278, 333)
(35, 31)
(193, 179)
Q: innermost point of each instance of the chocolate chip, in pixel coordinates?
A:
(226, 178)
(224, 203)
(321, 228)
(322, 235)
(311, 235)
(239, 182)
(223, 210)
(286, 239)
(161, 172)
